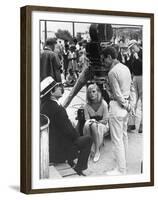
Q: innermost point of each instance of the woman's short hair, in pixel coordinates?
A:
(99, 95)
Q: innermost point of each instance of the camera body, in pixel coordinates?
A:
(101, 35)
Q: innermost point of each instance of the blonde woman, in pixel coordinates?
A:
(96, 116)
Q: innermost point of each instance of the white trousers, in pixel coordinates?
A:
(137, 81)
(118, 119)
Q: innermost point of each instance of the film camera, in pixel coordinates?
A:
(101, 35)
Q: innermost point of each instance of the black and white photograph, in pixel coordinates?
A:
(91, 99)
(91, 105)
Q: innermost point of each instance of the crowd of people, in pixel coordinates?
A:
(124, 65)
(69, 60)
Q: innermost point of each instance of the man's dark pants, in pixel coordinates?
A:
(82, 145)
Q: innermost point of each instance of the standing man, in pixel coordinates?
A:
(136, 67)
(65, 144)
(120, 84)
(65, 59)
(49, 61)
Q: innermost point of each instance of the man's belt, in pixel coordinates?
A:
(114, 99)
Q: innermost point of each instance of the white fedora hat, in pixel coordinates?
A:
(47, 85)
(131, 43)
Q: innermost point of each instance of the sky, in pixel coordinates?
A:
(53, 26)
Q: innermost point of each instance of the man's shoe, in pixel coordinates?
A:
(79, 172)
(130, 128)
(140, 130)
(85, 172)
(115, 172)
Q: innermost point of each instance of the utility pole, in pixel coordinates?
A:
(73, 29)
(45, 30)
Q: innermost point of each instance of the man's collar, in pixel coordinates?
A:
(47, 48)
(115, 62)
(54, 99)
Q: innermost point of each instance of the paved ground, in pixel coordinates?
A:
(106, 161)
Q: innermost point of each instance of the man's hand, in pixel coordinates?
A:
(136, 55)
(132, 111)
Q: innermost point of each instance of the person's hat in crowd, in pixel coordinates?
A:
(123, 45)
(106, 44)
(47, 85)
(82, 51)
(131, 43)
(73, 47)
(51, 41)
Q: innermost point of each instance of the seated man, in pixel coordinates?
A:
(65, 144)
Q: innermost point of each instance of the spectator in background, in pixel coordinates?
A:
(49, 61)
(123, 55)
(136, 58)
(65, 59)
(80, 45)
(70, 78)
(77, 48)
(76, 44)
(72, 58)
(66, 44)
(136, 67)
(59, 50)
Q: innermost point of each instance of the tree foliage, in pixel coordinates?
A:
(64, 35)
